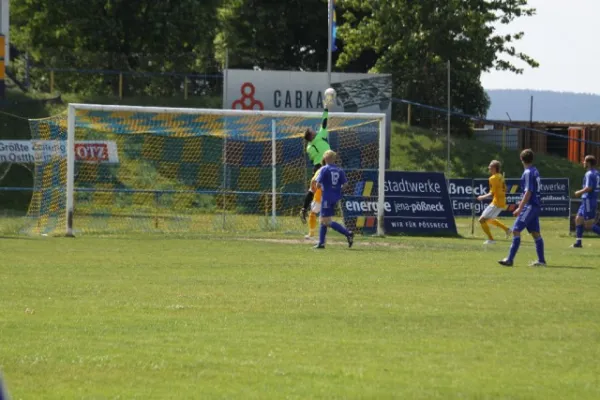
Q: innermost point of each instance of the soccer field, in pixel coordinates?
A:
(156, 317)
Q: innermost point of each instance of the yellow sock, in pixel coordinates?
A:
(486, 230)
(499, 224)
(312, 224)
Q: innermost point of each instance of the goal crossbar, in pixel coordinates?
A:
(215, 111)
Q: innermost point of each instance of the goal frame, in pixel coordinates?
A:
(71, 125)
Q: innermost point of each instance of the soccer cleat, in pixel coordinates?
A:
(576, 245)
(508, 233)
(308, 237)
(489, 242)
(506, 262)
(350, 239)
(319, 246)
(537, 264)
(303, 213)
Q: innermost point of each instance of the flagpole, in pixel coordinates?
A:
(329, 40)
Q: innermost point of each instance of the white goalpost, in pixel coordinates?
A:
(171, 168)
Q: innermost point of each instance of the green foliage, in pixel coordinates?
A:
(414, 40)
(146, 35)
(288, 35)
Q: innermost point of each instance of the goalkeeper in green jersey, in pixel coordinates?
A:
(317, 143)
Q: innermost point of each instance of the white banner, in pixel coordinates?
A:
(303, 91)
(31, 151)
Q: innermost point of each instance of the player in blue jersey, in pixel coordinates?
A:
(528, 212)
(331, 181)
(586, 216)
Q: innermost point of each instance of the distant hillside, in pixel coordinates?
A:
(547, 106)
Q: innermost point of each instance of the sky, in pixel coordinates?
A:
(564, 37)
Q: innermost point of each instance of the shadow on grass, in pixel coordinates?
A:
(567, 267)
(2, 237)
(369, 249)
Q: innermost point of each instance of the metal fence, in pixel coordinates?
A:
(571, 141)
(121, 84)
(182, 75)
(131, 83)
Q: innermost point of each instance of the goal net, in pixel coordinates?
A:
(117, 169)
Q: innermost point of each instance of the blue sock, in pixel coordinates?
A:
(579, 232)
(596, 229)
(339, 228)
(516, 242)
(322, 234)
(539, 248)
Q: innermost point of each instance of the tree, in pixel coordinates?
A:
(414, 40)
(288, 35)
(149, 35)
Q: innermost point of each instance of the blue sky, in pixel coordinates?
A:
(564, 37)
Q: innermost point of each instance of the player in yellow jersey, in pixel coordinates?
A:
(315, 207)
(498, 195)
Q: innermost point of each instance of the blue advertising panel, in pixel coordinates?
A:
(415, 203)
(463, 191)
(555, 196)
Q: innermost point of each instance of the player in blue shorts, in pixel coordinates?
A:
(528, 212)
(331, 181)
(586, 216)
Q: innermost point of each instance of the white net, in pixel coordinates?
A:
(141, 171)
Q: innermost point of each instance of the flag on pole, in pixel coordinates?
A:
(333, 26)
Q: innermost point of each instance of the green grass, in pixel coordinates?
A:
(156, 317)
(32, 105)
(414, 149)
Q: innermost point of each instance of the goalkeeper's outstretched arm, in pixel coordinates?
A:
(323, 134)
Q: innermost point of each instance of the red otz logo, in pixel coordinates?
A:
(91, 152)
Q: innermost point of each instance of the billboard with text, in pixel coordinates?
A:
(463, 191)
(303, 91)
(31, 151)
(415, 203)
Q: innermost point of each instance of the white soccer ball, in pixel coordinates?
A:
(330, 96)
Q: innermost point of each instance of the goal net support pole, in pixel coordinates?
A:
(70, 187)
(273, 173)
(73, 108)
(381, 178)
